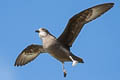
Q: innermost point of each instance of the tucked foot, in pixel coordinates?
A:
(74, 63)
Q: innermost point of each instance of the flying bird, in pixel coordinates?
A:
(59, 47)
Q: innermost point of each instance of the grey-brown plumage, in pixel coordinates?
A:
(29, 54)
(59, 48)
(76, 23)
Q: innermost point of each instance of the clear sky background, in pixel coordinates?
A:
(98, 43)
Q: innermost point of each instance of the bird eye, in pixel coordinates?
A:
(43, 29)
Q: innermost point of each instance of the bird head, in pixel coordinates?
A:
(42, 32)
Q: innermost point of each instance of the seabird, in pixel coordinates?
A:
(59, 47)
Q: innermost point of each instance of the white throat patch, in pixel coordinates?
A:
(42, 34)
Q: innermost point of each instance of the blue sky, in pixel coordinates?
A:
(98, 43)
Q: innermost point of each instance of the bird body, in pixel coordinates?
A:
(52, 46)
(59, 47)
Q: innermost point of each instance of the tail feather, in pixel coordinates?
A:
(80, 60)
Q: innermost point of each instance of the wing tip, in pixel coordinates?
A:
(106, 5)
(110, 4)
(19, 63)
(99, 10)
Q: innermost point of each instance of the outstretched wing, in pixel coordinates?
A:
(29, 54)
(76, 23)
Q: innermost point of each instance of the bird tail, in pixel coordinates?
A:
(80, 60)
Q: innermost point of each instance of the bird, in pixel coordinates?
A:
(59, 47)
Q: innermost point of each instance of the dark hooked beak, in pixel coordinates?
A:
(37, 31)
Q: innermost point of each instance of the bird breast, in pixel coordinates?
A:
(49, 42)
